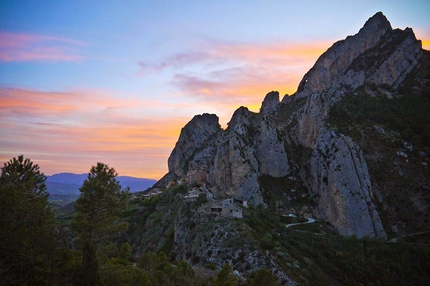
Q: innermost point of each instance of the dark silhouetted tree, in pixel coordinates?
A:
(98, 209)
(263, 277)
(226, 276)
(27, 225)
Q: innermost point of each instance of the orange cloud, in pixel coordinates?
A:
(232, 74)
(285, 52)
(71, 131)
(29, 102)
(426, 44)
(423, 34)
(27, 47)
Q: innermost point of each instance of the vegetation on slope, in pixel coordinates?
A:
(147, 253)
(392, 127)
(310, 254)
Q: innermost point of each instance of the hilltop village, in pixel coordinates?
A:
(215, 203)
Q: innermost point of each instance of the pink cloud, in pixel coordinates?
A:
(239, 72)
(175, 61)
(71, 131)
(28, 47)
(216, 54)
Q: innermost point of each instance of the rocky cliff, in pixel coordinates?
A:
(292, 141)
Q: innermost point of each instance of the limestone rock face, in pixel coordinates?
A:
(270, 151)
(193, 141)
(234, 159)
(235, 168)
(396, 56)
(270, 103)
(336, 60)
(268, 144)
(376, 54)
(340, 177)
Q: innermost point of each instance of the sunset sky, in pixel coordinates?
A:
(83, 82)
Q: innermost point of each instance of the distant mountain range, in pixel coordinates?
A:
(65, 186)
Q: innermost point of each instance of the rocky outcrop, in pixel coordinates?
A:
(390, 61)
(235, 168)
(270, 151)
(377, 54)
(270, 147)
(260, 144)
(336, 60)
(340, 177)
(193, 142)
(270, 103)
(221, 243)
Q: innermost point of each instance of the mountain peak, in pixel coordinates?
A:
(288, 143)
(336, 61)
(193, 136)
(376, 24)
(270, 102)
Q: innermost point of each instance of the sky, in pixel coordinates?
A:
(83, 82)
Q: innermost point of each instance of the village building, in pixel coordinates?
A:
(152, 193)
(192, 195)
(224, 208)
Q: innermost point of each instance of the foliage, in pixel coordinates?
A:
(392, 127)
(284, 192)
(406, 113)
(99, 206)
(162, 272)
(309, 254)
(351, 261)
(98, 210)
(28, 241)
(226, 277)
(313, 257)
(263, 277)
(180, 189)
(151, 228)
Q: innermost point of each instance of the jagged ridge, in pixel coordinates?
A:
(268, 144)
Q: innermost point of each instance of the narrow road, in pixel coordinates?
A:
(310, 220)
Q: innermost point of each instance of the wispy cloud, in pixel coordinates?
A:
(175, 61)
(234, 72)
(28, 47)
(60, 129)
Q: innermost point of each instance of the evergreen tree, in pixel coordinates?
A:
(226, 276)
(263, 277)
(97, 216)
(27, 228)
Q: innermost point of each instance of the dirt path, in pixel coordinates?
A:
(310, 220)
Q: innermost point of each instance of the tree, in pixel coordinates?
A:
(226, 276)
(98, 208)
(263, 277)
(27, 225)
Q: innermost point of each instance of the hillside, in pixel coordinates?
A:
(349, 150)
(305, 142)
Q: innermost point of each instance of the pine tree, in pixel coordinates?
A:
(27, 225)
(226, 277)
(263, 277)
(98, 208)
